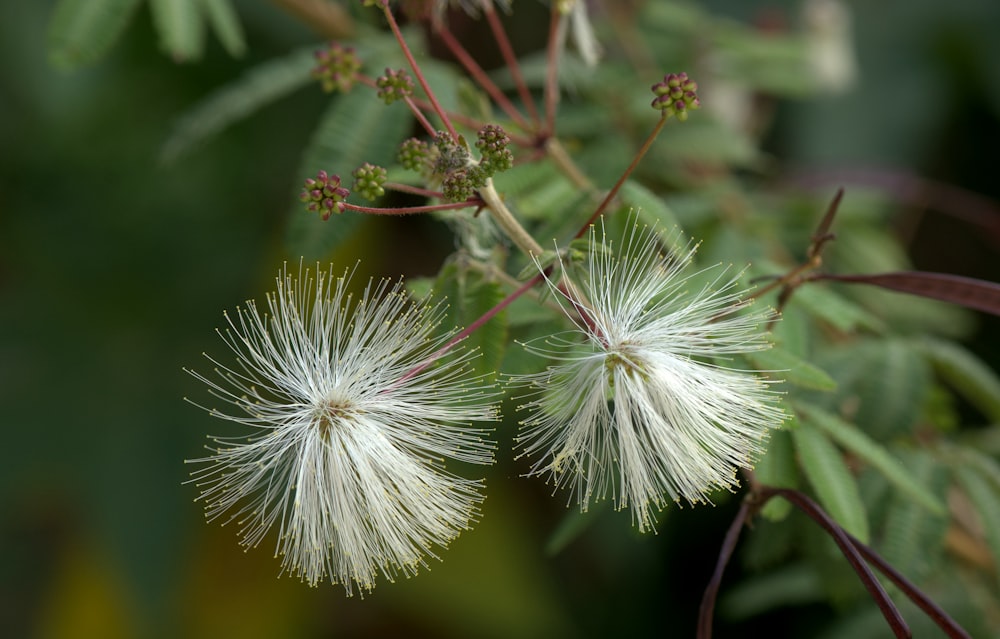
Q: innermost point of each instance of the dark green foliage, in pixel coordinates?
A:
(469, 294)
(83, 31)
(893, 400)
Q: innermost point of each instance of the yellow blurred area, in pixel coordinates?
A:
(87, 600)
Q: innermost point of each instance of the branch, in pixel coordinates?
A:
(965, 291)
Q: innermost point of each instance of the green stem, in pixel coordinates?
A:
(557, 153)
(507, 222)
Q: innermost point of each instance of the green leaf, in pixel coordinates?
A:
(649, 207)
(81, 32)
(181, 28)
(835, 487)
(864, 249)
(573, 524)
(792, 369)
(469, 295)
(986, 499)
(795, 584)
(885, 381)
(794, 331)
(876, 455)
(226, 25)
(260, 86)
(894, 379)
(966, 373)
(914, 535)
(542, 198)
(356, 128)
(987, 466)
(704, 139)
(420, 287)
(834, 309)
(775, 65)
(777, 468)
(544, 260)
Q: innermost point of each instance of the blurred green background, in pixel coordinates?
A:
(115, 269)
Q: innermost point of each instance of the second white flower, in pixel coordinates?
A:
(637, 404)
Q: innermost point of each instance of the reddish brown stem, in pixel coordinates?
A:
(419, 115)
(409, 210)
(480, 77)
(415, 190)
(475, 125)
(508, 55)
(435, 105)
(551, 91)
(705, 611)
(471, 328)
(628, 171)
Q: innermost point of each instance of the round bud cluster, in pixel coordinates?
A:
(676, 95)
(336, 68)
(458, 185)
(324, 195)
(414, 154)
(394, 85)
(368, 181)
(492, 144)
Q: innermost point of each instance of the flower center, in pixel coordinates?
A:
(623, 362)
(330, 415)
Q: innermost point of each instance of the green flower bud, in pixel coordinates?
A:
(368, 181)
(394, 85)
(336, 68)
(457, 186)
(676, 95)
(414, 154)
(492, 143)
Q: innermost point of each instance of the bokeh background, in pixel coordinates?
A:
(115, 269)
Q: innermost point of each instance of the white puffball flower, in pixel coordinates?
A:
(638, 403)
(348, 426)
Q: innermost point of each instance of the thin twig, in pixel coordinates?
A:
(409, 210)
(416, 190)
(707, 608)
(471, 328)
(481, 78)
(551, 90)
(511, 59)
(934, 611)
(847, 547)
(435, 105)
(795, 277)
(621, 180)
(419, 115)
